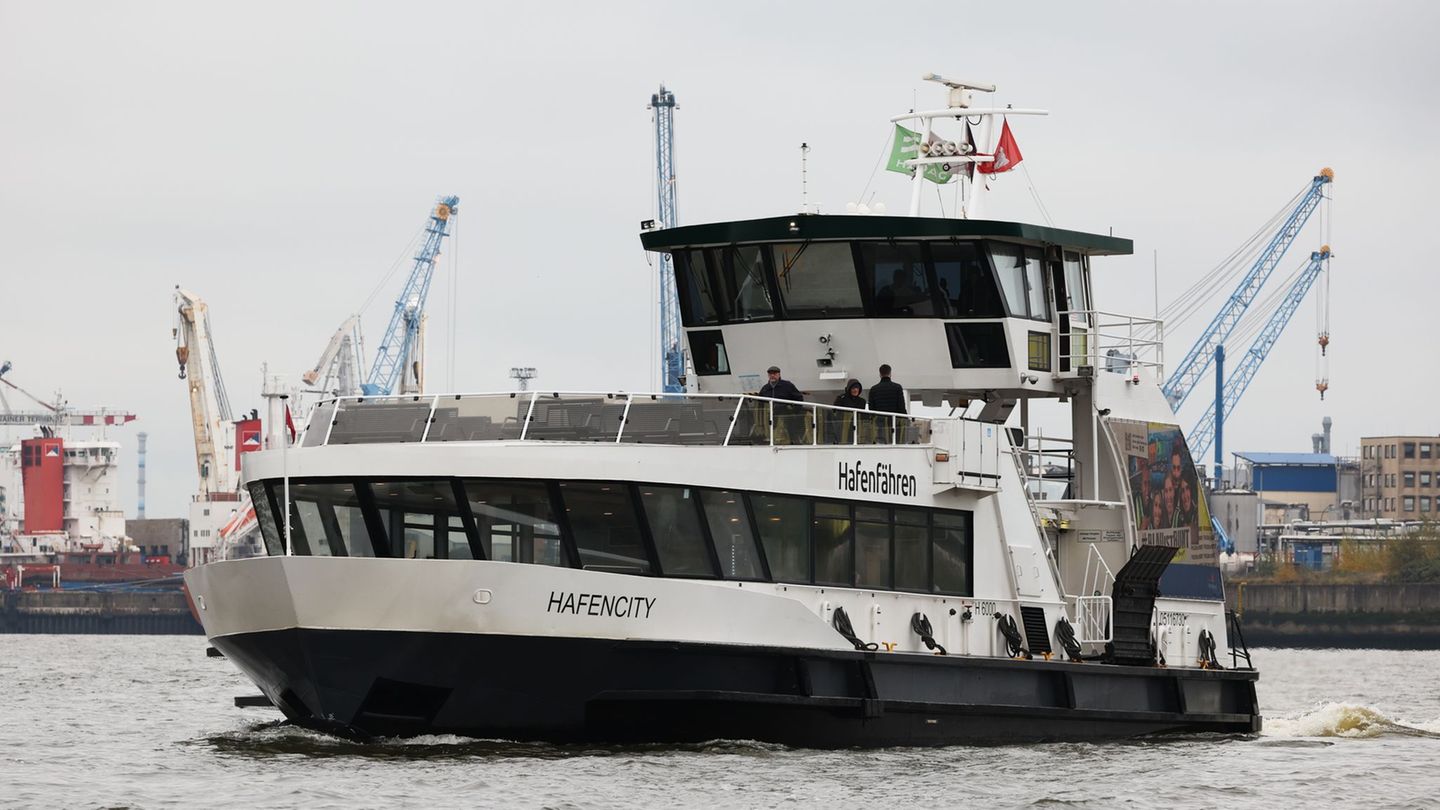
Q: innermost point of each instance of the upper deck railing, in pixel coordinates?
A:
(615, 418)
(1093, 340)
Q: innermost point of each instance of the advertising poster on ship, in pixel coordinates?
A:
(1167, 499)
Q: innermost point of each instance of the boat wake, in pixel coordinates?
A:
(280, 737)
(1345, 720)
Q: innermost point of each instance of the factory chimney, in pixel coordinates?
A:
(1320, 442)
(140, 482)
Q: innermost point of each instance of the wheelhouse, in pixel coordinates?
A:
(954, 305)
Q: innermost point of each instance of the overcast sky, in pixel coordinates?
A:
(277, 157)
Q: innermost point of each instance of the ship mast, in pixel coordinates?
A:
(931, 150)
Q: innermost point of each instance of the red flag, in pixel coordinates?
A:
(1007, 154)
(289, 423)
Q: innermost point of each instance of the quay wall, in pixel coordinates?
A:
(1398, 616)
(119, 613)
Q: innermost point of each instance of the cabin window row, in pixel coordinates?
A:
(642, 529)
(808, 280)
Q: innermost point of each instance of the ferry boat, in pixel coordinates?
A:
(615, 567)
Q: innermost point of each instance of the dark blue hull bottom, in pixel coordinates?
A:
(375, 683)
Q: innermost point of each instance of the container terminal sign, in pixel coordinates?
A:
(1167, 500)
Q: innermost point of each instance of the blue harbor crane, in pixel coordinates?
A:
(672, 356)
(1197, 361)
(397, 365)
(1211, 425)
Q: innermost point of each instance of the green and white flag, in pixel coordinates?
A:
(907, 146)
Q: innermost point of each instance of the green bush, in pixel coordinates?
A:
(1415, 557)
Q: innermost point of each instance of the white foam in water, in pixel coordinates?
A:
(1343, 720)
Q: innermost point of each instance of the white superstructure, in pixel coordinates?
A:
(93, 517)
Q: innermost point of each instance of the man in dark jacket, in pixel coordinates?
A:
(790, 420)
(779, 388)
(887, 396)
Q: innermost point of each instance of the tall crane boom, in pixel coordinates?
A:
(1182, 381)
(337, 369)
(672, 356)
(209, 404)
(398, 358)
(1239, 379)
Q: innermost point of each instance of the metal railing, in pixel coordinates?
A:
(616, 418)
(1108, 342)
(1094, 608)
(1047, 466)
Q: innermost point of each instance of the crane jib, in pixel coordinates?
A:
(396, 364)
(1198, 360)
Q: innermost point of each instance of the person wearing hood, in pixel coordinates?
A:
(842, 424)
(851, 398)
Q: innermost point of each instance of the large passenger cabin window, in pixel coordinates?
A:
(620, 527)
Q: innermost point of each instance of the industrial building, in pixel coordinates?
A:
(1400, 477)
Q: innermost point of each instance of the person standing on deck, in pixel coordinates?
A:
(789, 420)
(841, 426)
(887, 396)
(780, 388)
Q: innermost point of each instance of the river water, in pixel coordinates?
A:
(148, 721)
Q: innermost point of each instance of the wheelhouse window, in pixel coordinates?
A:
(817, 280)
(1021, 271)
(742, 273)
(894, 276)
(977, 345)
(699, 305)
(1076, 300)
(962, 279)
(603, 522)
(707, 348)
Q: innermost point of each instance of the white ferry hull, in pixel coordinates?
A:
(698, 662)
